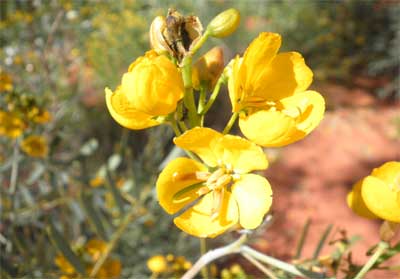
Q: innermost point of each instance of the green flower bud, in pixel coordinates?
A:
(224, 24)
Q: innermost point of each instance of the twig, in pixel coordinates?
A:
(379, 251)
(113, 242)
(213, 255)
(260, 266)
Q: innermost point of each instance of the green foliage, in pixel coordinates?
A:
(61, 55)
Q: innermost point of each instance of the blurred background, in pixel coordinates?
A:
(73, 181)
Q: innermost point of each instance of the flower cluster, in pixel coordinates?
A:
(215, 190)
(168, 265)
(21, 116)
(90, 252)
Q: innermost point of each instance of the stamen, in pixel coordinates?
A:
(214, 176)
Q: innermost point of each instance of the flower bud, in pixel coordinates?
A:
(209, 67)
(157, 264)
(388, 230)
(152, 87)
(157, 40)
(224, 23)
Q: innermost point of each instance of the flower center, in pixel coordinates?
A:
(217, 183)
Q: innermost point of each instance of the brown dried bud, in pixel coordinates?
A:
(208, 68)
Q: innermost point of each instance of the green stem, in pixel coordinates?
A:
(230, 123)
(175, 127)
(203, 251)
(279, 264)
(188, 99)
(202, 99)
(214, 95)
(382, 246)
(200, 43)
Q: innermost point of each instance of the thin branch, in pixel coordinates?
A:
(212, 255)
(260, 266)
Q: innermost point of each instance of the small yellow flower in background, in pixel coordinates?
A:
(10, 125)
(96, 181)
(64, 265)
(35, 146)
(152, 87)
(377, 196)
(42, 117)
(269, 92)
(157, 264)
(168, 265)
(95, 248)
(6, 83)
(227, 194)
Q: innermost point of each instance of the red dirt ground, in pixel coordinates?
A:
(311, 178)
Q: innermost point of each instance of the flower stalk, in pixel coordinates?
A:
(382, 246)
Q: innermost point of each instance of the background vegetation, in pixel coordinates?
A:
(97, 180)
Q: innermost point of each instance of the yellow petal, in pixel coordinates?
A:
(285, 75)
(357, 204)
(381, 199)
(253, 195)
(197, 220)
(240, 154)
(176, 176)
(260, 53)
(268, 128)
(200, 141)
(125, 114)
(310, 106)
(389, 173)
(153, 85)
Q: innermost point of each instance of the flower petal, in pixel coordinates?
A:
(243, 155)
(197, 220)
(253, 195)
(285, 75)
(357, 204)
(176, 176)
(200, 141)
(381, 199)
(126, 115)
(260, 53)
(389, 173)
(268, 128)
(309, 108)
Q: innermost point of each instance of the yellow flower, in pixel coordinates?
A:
(35, 146)
(42, 117)
(269, 92)
(96, 181)
(95, 248)
(151, 87)
(378, 195)
(157, 264)
(111, 269)
(6, 83)
(10, 125)
(225, 192)
(64, 265)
